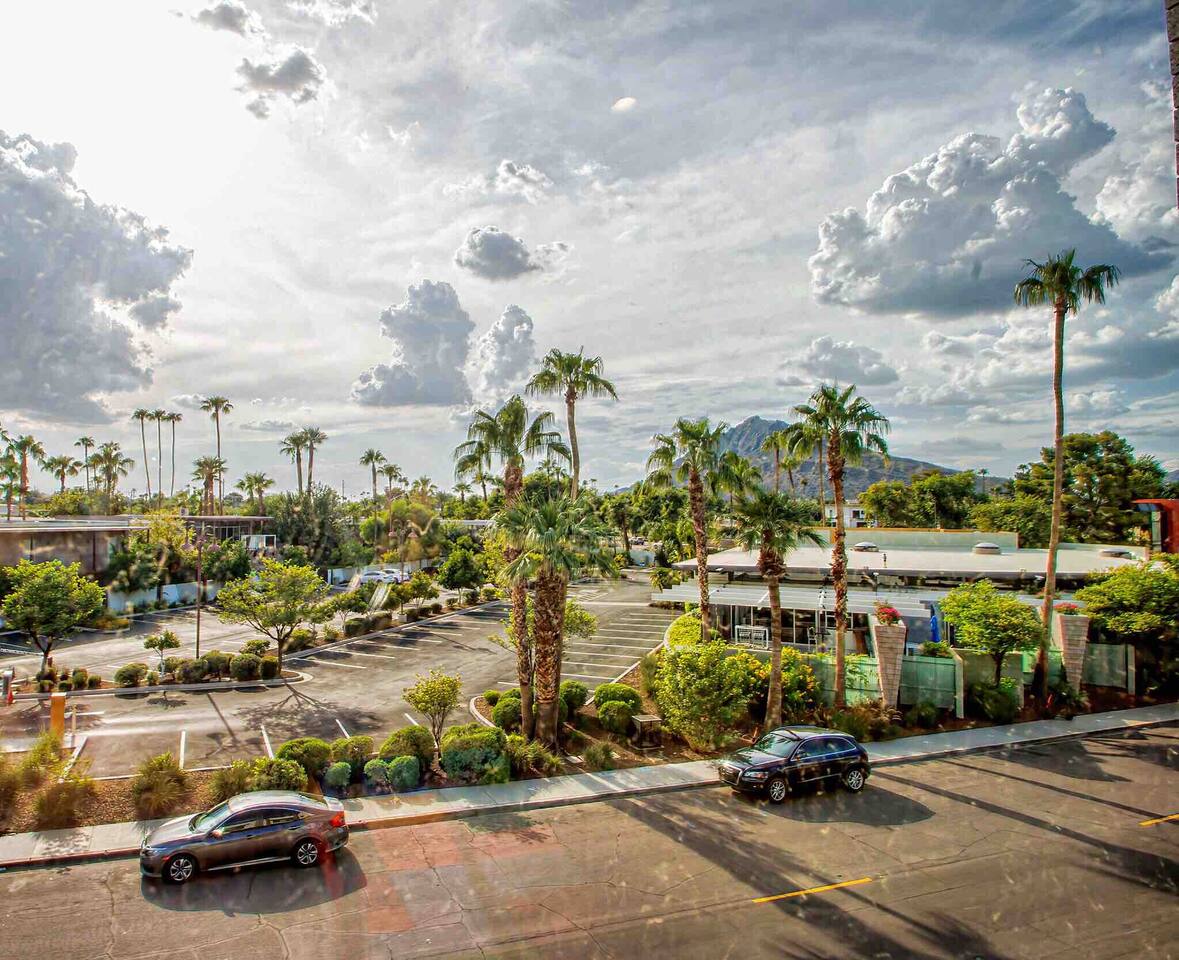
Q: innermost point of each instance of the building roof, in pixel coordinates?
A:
(36, 525)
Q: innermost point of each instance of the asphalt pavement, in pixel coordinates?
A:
(1050, 851)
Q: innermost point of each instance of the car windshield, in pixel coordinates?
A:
(210, 818)
(774, 744)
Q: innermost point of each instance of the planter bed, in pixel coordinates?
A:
(288, 676)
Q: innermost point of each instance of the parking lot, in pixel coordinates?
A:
(353, 688)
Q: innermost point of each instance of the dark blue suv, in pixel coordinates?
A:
(790, 757)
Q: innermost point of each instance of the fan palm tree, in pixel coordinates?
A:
(61, 467)
(207, 470)
(26, 448)
(551, 542)
(510, 436)
(573, 375)
(1060, 283)
(255, 485)
(618, 509)
(778, 443)
(690, 454)
(293, 446)
(423, 489)
(143, 415)
(851, 427)
(803, 442)
(216, 408)
(462, 488)
(173, 419)
(773, 524)
(9, 479)
(312, 438)
(158, 416)
(474, 462)
(734, 475)
(392, 474)
(86, 443)
(372, 458)
(110, 465)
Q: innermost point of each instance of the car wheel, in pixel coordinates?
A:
(854, 779)
(180, 869)
(776, 789)
(306, 853)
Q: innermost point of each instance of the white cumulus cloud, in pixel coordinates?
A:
(231, 15)
(492, 254)
(295, 75)
(503, 356)
(336, 12)
(840, 360)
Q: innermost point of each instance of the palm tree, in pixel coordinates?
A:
(462, 488)
(690, 454)
(61, 467)
(372, 458)
(474, 462)
(618, 509)
(216, 408)
(734, 475)
(574, 375)
(158, 416)
(143, 415)
(551, 542)
(511, 436)
(773, 524)
(9, 479)
(255, 485)
(778, 443)
(803, 442)
(85, 443)
(110, 464)
(1058, 281)
(173, 419)
(851, 426)
(26, 448)
(312, 438)
(392, 474)
(292, 446)
(207, 470)
(423, 489)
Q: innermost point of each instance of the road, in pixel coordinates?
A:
(353, 689)
(1028, 853)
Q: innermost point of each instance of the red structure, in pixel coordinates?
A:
(1164, 524)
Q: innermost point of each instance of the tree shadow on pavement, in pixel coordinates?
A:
(272, 888)
(1162, 754)
(299, 714)
(1066, 759)
(875, 807)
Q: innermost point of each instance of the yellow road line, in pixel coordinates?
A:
(810, 890)
(1151, 823)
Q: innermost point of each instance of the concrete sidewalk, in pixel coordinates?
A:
(123, 839)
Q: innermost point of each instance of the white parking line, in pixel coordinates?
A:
(621, 646)
(411, 719)
(628, 657)
(183, 741)
(382, 656)
(334, 663)
(266, 742)
(585, 676)
(343, 729)
(581, 663)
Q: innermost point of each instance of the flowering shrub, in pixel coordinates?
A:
(886, 614)
(1068, 609)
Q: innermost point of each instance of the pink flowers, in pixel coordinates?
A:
(1068, 609)
(887, 615)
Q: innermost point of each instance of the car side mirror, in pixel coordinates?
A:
(217, 834)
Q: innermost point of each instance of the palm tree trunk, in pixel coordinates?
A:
(549, 623)
(160, 461)
(774, 700)
(374, 482)
(700, 534)
(220, 481)
(777, 468)
(822, 492)
(790, 477)
(62, 477)
(299, 469)
(525, 660)
(1057, 491)
(146, 465)
(575, 480)
(24, 485)
(310, 467)
(172, 481)
(838, 566)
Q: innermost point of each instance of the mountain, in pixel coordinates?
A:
(747, 436)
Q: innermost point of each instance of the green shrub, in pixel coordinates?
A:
(245, 666)
(614, 716)
(435, 608)
(171, 665)
(232, 780)
(506, 714)
(452, 603)
(300, 639)
(257, 646)
(216, 663)
(512, 693)
(488, 594)
(599, 756)
(45, 686)
(131, 674)
(192, 671)
(850, 721)
(1064, 701)
(338, 775)
(412, 741)
(332, 633)
(620, 692)
(685, 629)
(269, 668)
(79, 678)
(404, 773)
(158, 786)
(65, 686)
(648, 668)
(702, 696)
(575, 695)
(935, 648)
(93, 682)
(491, 697)
(352, 750)
(59, 804)
(355, 626)
(531, 758)
(277, 774)
(311, 753)
(412, 614)
(997, 703)
(923, 714)
(376, 773)
(9, 785)
(379, 620)
(473, 753)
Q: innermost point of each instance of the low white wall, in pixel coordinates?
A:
(117, 600)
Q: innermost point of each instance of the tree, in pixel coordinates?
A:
(26, 448)
(143, 415)
(207, 470)
(49, 601)
(216, 408)
(990, 622)
(392, 474)
(292, 446)
(277, 601)
(254, 486)
(551, 542)
(690, 454)
(573, 375)
(510, 436)
(462, 571)
(161, 642)
(86, 443)
(890, 503)
(372, 458)
(851, 426)
(931, 498)
(159, 416)
(435, 697)
(9, 479)
(1027, 516)
(773, 525)
(779, 444)
(110, 465)
(618, 510)
(61, 467)
(734, 475)
(312, 437)
(702, 692)
(1060, 283)
(803, 441)
(173, 419)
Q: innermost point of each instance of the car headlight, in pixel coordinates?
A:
(754, 774)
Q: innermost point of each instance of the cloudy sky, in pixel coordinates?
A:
(372, 216)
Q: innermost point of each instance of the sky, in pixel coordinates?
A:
(376, 217)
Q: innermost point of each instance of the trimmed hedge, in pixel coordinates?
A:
(355, 626)
(338, 775)
(614, 715)
(409, 742)
(619, 692)
(491, 697)
(473, 753)
(376, 772)
(575, 695)
(354, 751)
(506, 714)
(131, 674)
(217, 663)
(404, 773)
(311, 753)
(269, 668)
(245, 666)
(192, 671)
(277, 774)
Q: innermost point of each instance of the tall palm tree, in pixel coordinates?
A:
(690, 454)
(312, 438)
(110, 465)
(851, 426)
(392, 474)
(255, 485)
(216, 408)
(158, 416)
(9, 479)
(1060, 283)
(510, 436)
(143, 415)
(551, 542)
(86, 443)
(207, 470)
(574, 375)
(26, 448)
(173, 419)
(734, 475)
(778, 443)
(372, 458)
(474, 462)
(423, 489)
(462, 488)
(773, 524)
(292, 446)
(802, 442)
(62, 466)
